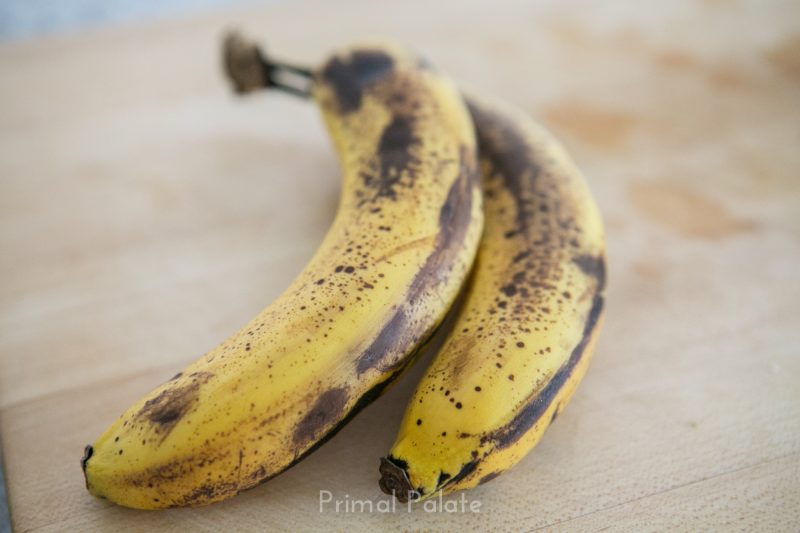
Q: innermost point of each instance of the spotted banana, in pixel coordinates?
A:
(523, 338)
(401, 245)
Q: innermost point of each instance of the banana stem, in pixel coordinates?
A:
(249, 69)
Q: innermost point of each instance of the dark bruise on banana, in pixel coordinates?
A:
(524, 335)
(402, 243)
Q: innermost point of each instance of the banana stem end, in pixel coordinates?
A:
(250, 69)
(394, 481)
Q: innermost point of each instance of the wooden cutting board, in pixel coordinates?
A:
(146, 213)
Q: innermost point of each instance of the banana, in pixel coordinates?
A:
(523, 338)
(401, 245)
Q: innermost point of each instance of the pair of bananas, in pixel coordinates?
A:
(436, 186)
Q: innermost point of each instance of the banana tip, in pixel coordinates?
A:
(87, 454)
(394, 480)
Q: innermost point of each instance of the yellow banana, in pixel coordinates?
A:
(396, 255)
(523, 338)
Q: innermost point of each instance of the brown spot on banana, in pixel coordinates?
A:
(395, 151)
(594, 267)
(465, 471)
(329, 408)
(166, 409)
(351, 75)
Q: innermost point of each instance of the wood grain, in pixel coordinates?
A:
(145, 214)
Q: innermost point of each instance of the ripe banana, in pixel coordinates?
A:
(393, 261)
(523, 338)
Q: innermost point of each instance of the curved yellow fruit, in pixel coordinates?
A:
(393, 261)
(523, 338)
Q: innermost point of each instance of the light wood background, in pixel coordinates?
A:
(146, 213)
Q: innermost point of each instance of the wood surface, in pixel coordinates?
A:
(146, 213)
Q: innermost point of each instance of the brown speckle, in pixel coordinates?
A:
(167, 408)
(395, 151)
(594, 267)
(509, 290)
(328, 409)
(350, 76)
